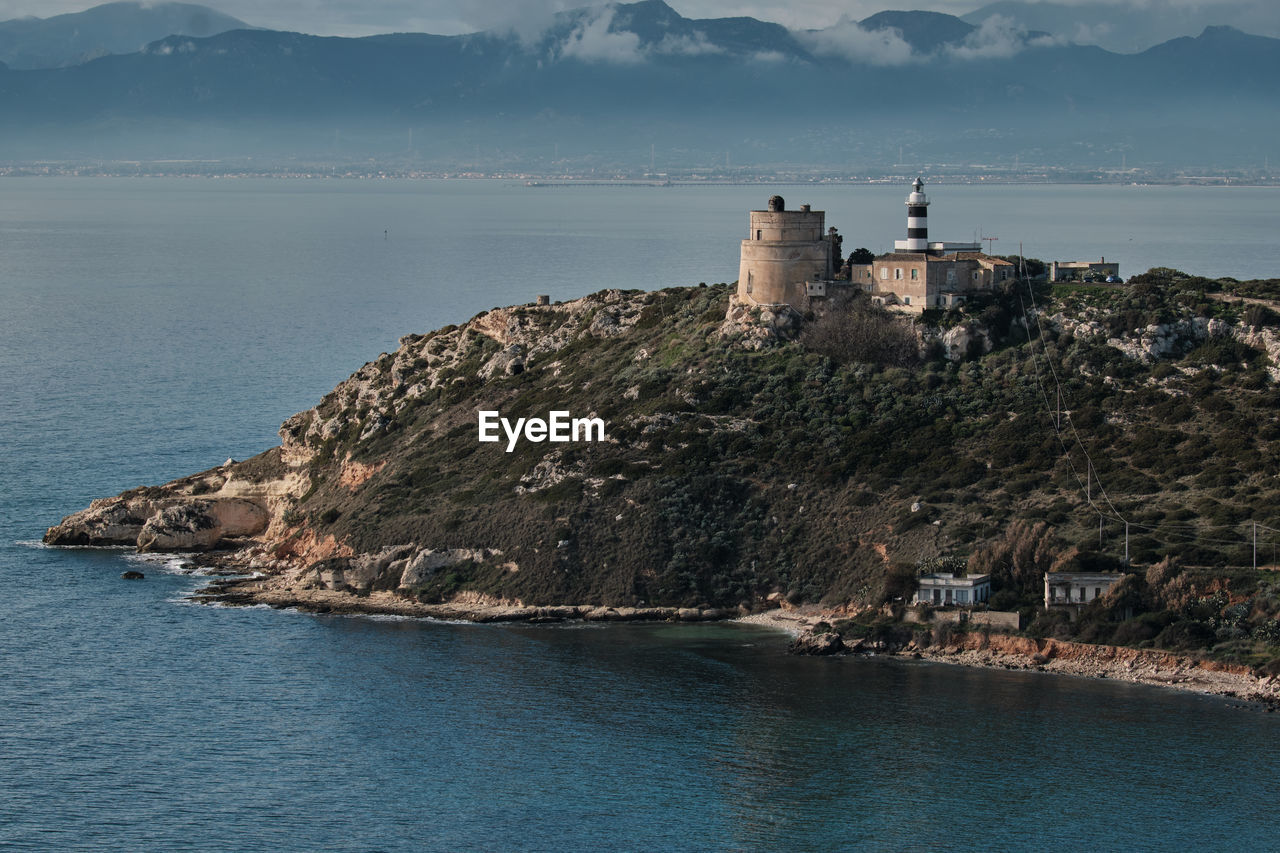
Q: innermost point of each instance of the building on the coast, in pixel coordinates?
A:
(789, 259)
(1076, 589)
(918, 274)
(943, 589)
(783, 251)
(918, 281)
(1083, 270)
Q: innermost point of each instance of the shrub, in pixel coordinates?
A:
(1186, 634)
(854, 330)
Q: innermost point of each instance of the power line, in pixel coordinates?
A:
(1091, 471)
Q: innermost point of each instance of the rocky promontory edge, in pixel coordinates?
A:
(353, 513)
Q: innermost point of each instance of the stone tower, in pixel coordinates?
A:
(784, 249)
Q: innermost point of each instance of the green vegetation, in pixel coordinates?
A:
(812, 468)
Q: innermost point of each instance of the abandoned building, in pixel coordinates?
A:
(1083, 270)
(1076, 589)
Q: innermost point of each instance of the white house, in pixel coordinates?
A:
(943, 589)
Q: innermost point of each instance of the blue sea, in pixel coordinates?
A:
(150, 328)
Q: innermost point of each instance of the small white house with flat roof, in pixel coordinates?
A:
(942, 589)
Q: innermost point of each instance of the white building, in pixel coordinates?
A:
(942, 589)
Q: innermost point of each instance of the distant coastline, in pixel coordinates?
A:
(624, 177)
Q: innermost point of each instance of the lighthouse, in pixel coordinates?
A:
(917, 219)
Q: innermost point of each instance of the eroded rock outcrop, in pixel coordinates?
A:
(194, 513)
(826, 643)
(197, 525)
(396, 567)
(753, 327)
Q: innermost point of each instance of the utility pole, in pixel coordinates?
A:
(1088, 484)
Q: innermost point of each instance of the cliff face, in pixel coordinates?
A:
(384, 485)
(735, 466)
(236, 502)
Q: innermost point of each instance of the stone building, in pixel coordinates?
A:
(789, 259)
(1081, 270)
(919, 275)
(1076, 589)
(784, 249)
(917, 281)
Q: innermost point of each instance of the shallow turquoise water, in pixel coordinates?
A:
(153, 328)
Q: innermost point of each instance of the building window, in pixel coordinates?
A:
(975, 275)
(884, 272)
(1097, 592)
(951, 275)
(915, 274)
(906, 300)
(757, 235)
(750, 276)
(897, 273)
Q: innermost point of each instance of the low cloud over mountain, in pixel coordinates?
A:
(599, 82)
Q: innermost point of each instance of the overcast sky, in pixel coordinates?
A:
(448, 17)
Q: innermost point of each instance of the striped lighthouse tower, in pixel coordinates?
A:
(917, 219)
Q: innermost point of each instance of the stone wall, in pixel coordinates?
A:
(1002, 620)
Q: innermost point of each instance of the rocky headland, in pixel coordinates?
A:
(750, 464)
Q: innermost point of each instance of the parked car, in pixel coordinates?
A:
(1114, 279)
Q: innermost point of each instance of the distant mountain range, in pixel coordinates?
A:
(111, 28)
(1131, 27)
(606, 82)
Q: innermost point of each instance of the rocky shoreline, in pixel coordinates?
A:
(975, 649)
(466, 607)
(1006, 651)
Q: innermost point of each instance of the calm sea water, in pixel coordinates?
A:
(150, 328)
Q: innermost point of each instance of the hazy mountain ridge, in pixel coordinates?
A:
(601, 78)
(112, 28)
(1132, 28)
